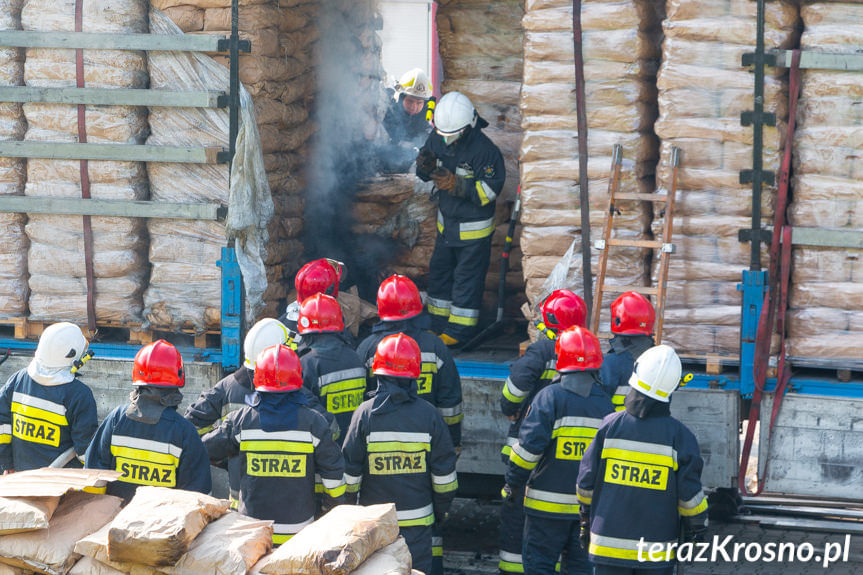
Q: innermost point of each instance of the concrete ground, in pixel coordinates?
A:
(470, 546)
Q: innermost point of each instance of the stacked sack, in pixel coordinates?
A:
(826, 297)
(13, 250)
(702, 90)
(621, 51)
(396, 207)
(481, 51)
(185, 288)
(56, 257)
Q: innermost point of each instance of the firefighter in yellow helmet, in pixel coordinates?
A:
(407, 120)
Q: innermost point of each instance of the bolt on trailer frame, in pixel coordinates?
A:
(229, 354)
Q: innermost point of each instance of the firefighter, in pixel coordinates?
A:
(146, 440)
(332, 371)
(560, 424)
(529, 374)
(398, 449)
(318, 276)
(282, 444)
(640, 479)
(407, 120)
(230, 394)
(400, 308)
(632, 318)
(47, 416)
(468, 172)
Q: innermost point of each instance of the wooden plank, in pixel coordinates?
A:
(820, 60)
(641, 197)
(119, 152)
(123, 208)
(654, 244)
(103, 96)
(95, 41)
(818, 237)
(643, 290)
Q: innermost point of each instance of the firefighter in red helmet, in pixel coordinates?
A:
(559, 425)
(147, 440)
(632, 318)
(533, 371)
(318, 276)
(398, 449)
(332, 370)
(283, 444)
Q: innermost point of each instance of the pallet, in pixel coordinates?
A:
(714, 364)
(132, 333)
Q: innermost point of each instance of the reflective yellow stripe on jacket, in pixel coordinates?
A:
(628, 549)
(550, 501)
(145, 461)
(414, 517)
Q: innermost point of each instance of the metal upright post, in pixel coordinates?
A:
(233, 306)
(754, 281)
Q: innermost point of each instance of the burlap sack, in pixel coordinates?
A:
(159, 524)
(394, 559)
(19, 514)
(337, 543)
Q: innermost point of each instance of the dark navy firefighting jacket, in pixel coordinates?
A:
(214, 404)
(166, 454)
(398, 450)
(527, 376)
(639, 477)
(282, 444)
(475, 158)
(617, 365)
(39, 423)
(561, 422)
(439, 382)
(334, 373)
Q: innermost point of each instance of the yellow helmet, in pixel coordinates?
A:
(414, 83)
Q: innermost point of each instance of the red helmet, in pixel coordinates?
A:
(158, 364)
(577, 350)
(320, 313)
(563, 309)
(398, 298)
(632, 314)
(318, 276)
(278, 368)
(399, 356)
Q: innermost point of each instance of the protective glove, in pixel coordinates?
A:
(694, 528)
(444, 179)
(510, 493)
(426, 162)
(439, 518)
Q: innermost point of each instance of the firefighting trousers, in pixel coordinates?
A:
(437, 551)
(511, 529)
(610, 570)
(419, 540)
(546, 540)
(456, 285)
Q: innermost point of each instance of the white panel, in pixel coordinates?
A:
(406, 36)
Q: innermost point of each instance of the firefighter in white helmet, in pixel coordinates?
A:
(47, 415)
(641, 476)
(468, 172)
(230, 394)
(407, 121)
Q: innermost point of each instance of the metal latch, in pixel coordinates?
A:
(668, 248)
(599, 245)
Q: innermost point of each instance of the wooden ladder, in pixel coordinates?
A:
(665, 247)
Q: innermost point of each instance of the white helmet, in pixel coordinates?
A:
(656, 373)
(60, 346)
(266, 333)
(414, 83)
(452, 115)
